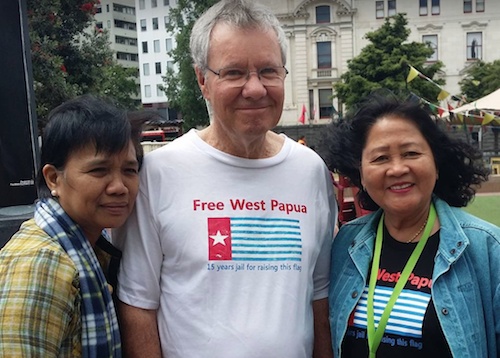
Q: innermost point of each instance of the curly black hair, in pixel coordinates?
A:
(459, 165)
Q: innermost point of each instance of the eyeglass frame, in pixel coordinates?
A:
(248, 73)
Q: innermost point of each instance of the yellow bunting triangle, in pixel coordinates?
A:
(475, 82)
(460, 117)
(487, 118)
(413, 73)
(442, 95)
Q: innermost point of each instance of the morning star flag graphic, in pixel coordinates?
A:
(254, 239)
(407, 316)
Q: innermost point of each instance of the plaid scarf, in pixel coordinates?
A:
(100, 333)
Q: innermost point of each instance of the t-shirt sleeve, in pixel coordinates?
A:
(39, 308)
(328, 219)
(139, 274)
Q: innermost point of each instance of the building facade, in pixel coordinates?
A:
(155, 43)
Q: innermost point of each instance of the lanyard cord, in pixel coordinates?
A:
(375, 335)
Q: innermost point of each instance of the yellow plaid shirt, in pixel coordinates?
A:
(39, 297)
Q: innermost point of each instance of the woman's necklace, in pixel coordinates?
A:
(418, 233)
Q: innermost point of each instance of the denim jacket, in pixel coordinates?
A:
(466, 279)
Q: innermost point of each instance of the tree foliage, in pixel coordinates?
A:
(69, 60)
(383, 64)
(482, 79)
(181, 86)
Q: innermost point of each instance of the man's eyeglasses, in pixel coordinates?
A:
(237, 77)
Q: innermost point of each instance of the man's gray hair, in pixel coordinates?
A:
(243, 14)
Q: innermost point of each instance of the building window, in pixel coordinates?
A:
(167, 21)
(145, 47)
(147, 91)
(98, 25)
(145, 69)
(158, 68)
(154, 3)
(129, 41)
(142, 4)
(109, 24)
(325, 103)
(107, 8)
(474, 45)
(379, 9)
(127, 56)
(436, 10)
(143, 25)
(166, 2)
(125, 25)
(170, 65)
(324, 54)
(159, 91)
(168, 45)
(156, 45)
(98, 9)
(322, 14)
(479, 5)
(155, 23)
(391, 7)
(423, 8)
(311, 105)
(433, 41)
(124, 9)
(467, 5)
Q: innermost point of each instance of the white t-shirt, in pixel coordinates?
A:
(230, 251)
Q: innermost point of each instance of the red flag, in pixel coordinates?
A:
(302, 118)
(440, 111)
(219, 239)
(450, 108)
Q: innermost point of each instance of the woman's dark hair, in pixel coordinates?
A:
(459, 165)
(82, 121)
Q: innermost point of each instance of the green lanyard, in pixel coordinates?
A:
(374, 336)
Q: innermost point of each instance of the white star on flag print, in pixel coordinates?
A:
(254, 239)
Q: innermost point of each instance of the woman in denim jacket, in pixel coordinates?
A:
(447, 262)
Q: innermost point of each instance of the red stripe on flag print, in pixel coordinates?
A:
(219, 239)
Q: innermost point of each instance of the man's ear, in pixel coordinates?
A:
(50, 174)
(200, 76)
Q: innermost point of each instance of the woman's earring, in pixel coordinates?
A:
(53, 193)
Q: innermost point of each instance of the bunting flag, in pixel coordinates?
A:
(412, 74)
(441, 111)
(460, 117)
(475, 82)
(442, 95)
(450, 107)
(488, 117)
(302, 118)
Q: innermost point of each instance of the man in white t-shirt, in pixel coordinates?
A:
(227, 252)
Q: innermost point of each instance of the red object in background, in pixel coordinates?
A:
(349, 207)
(302, 118)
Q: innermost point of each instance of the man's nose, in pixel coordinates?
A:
(253, 88)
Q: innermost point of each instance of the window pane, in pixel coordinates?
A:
(467, 5)
(143, 25)
(170, 65)
(325, 103)
(145, 69)
(435, 7)
(147, 90)
(168, 44)
(158, 67)
(324, 54)
(166, 2)
(145, 47)
(432, 39)
(156, 45)
(154, 3)
(379, 9)
(167, 21)
(155, 23)
(322, 14)
(474, 45)
(423, 8)
(479, 5)
(142, 4)
(159, 92)
(391, 7)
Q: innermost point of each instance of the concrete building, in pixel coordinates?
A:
(324, 34)
(461, 31)
(118, 18)
(154, 44)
